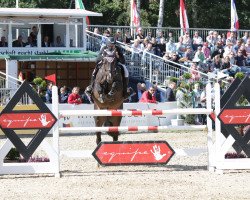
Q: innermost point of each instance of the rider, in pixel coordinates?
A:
(110, 46)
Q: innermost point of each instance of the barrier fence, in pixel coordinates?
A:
(218, 145)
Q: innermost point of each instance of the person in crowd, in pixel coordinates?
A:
(181, 48)
(63, 95)
(215, 38)
(237, 45)
(243, 49)
(131, 98)
(228, 68)
(136, 49)
(127, 37)
(148, 96)
(74, 97)
(149, 36)
(166, 57)
(170, 46)
(223, 39)
(118, 36)
(3, 42)
(139, 35)
(96, 31)
(46, 42)
(158, 93)
(240, 61)
(170, 96)
(218, 49)
(58, 42)
(141, 87)
(247, 47)
(245, 37)
(48, 95)
(33, 34)
(216, 64)
(147, 51)
(187, 41)
(161, 47)
(181, 93)
(30, 42)
(159, 36)
(188, 54)
(199, 55)
(195, 75)
(206, 51)
(19, 42)
(209, 39)
(154, 44)
(197, 41)
(197, 96)
(145, 43)
(170, 36)
(231, 38)
(106, 35)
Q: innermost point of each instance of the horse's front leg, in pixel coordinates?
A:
(98, 123)
(116, 121)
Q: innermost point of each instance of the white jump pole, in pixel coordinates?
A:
(65, 113)
(129, 128)
(209, 129)
(55, 110)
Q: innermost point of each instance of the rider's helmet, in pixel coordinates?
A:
(110, 43)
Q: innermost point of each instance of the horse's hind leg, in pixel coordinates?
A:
(98, 122)
(115, 136)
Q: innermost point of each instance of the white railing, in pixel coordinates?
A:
(149, 66)
(8, 87)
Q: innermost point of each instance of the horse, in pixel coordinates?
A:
(108, 92)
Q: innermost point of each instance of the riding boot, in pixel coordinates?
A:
(89, 89)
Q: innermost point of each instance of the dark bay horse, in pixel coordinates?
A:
(108, 92)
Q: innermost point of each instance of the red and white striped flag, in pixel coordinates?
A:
(235, 25)
(135, 15)
(183, 17)
(79, 5)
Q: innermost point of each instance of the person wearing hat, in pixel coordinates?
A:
(110, 47)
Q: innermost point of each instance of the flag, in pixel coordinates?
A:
(51, 78)
(135, 16)
(183, 17)
(234, 17)
(79, 5)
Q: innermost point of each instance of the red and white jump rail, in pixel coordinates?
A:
(66, 113)
(129, 128)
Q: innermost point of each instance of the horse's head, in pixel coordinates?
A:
(109, 64)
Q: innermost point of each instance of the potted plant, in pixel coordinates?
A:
(40, 86)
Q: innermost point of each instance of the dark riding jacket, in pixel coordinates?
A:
(121, 58)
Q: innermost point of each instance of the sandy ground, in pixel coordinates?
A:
(182, 178)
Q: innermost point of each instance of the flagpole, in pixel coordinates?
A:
(131, 16)
(17, 30)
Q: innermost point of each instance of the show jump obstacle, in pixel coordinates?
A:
(219, 142)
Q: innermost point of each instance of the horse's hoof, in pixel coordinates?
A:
(98, 166)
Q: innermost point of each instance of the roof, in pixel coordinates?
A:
(44, 12)
(60, 55)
